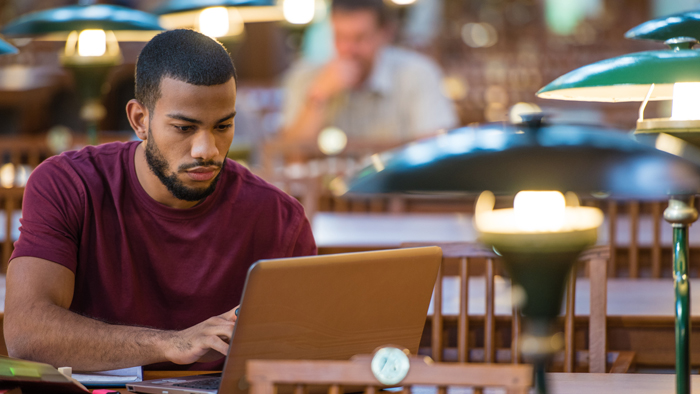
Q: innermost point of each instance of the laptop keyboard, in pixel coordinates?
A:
(204, 384)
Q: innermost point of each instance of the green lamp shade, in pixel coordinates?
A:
(685, 24)
(7, 49)
(627, 77)
(507, 159)
(77, 17)
(174, 6)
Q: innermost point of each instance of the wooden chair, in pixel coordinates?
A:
(597, 355)
(265, 375)
(10, 202)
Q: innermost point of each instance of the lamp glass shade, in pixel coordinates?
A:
(685, 24)
(174, 6)
(627, 78)
(507, 159)
(7, 49)
(78, 17)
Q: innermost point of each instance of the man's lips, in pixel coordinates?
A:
(202, 173)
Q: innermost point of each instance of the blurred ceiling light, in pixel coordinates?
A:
(520, 109)
(403, 2)
(299, 12)
(332, 141)
(220, 21)
(92, 42)
(479, 35)
(7, 175)
(214, 22)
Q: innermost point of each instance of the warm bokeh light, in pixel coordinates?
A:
(403, 2)
(685, 101)
(299, 12)
(92, 42)
(537, 211)
(213, 21)
(479, 35)
(332, 141)
(520, 109)
(7, 175)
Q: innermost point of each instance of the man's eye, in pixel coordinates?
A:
(224, 126)
(184, 128)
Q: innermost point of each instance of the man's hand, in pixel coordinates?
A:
(207, 341)
(336, 76)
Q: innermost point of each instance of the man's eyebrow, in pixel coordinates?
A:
(225, 118)
(184, 118)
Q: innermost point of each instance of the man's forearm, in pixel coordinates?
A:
(54, 335)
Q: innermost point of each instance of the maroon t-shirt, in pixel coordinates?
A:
(138, 262)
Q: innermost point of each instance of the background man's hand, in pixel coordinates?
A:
(207, 341)
(336, 76)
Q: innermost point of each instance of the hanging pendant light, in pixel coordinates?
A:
(217, 18)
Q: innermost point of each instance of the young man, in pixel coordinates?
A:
(136, 254)
(372, 91)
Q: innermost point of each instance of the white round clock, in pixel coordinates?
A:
(390, 365)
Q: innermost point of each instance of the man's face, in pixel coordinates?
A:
(189, 134)
(358, 36)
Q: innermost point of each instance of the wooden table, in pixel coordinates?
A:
(567, 383)
(366, 231)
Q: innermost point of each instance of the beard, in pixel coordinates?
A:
(161, 168)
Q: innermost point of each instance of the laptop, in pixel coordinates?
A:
(329, 307)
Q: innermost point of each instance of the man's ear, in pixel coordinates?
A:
(138, 118)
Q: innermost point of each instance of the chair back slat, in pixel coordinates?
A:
(490, 318)
(633, 251)
(597, 330)
(656, 215)
(515, 338)
(463, 319)
(569, 348)
(437, 341)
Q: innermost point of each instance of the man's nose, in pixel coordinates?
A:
(204, 146)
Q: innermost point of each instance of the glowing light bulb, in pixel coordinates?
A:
(332, 141)
(539, 211)
(298, 12)
(685, 101)
(92, 42)
(7, 175)
(214, 21)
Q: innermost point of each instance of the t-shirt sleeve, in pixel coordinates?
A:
(51, 215)
(305, 245)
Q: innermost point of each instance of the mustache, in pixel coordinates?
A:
(209, 163)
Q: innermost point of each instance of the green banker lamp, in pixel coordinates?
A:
(7, 49)
(541, 237)
(91, 47)
(672, 74)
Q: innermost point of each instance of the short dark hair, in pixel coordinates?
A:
(184, 55)
(380, 9)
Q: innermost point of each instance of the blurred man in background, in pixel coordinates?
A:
(374, 92)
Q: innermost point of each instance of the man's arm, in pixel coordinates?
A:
(305, 124)
(38, 326)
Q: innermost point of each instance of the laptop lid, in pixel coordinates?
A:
(331, 307)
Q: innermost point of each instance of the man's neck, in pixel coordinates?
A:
(153, 186)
